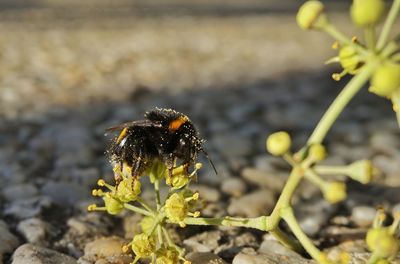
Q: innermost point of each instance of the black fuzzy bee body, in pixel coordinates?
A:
(164, 135)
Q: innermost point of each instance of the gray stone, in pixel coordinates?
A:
(268, 179)
(31, 254)
(204, 242)
(106, 250)
(234, 187)
(207, 193)
(34, 231)
(204, 258)
(20, 192)
(313, 215)
(271, 246)
(253, 204)
(256, 258)
(32, 207)
(363, 216)
(65, 193)
(8, 240)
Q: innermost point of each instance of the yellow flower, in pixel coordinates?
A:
(176, 208)
(386, 80)
(278, 143)
(143, 245)
(128, 190)
(167, 256)
(317, 152)
(366, 13)
(381, 242)
(311, 15)
(113, 206)
(334, 192)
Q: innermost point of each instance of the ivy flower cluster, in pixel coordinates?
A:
(377, 59)
(154, 243)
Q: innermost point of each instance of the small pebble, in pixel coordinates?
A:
(204, 258)
(233, 186)
(253, 204)
(34, 231)
(31, 254)
(363, 216)
(8, 240)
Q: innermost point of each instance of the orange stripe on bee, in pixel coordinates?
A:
(122, 135)
(177, 123)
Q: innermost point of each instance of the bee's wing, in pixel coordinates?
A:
(138, 123)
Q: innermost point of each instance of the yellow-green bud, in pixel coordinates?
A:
(383, 261)
(386, 80)
(311, 15)
(334, 192)
(278, 143)
(143, 245)
(167, 256)
(113, 206)
(361, 171)
(128, 190)
(349, 59)
(158, 170)
(179, 177)
(317, 152)
(366, 13)
(176, 208)
(147, 224)
(382, 242)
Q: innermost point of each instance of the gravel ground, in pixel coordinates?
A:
(64, 82)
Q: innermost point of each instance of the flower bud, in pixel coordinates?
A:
(334, 192)
(176, 208)
(361, 171)
(143, 245)
(382, 243)
(167, 256)
(317, 152)
(128, 190)
(278, 143)
(113, 206)
(366, 13)
(311, 15)
(386, 80)
(349, 59)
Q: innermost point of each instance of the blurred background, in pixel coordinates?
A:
(71, 52)
(240, 69)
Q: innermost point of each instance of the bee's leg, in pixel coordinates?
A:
(117, 175)
(136, 166)
(169, 162)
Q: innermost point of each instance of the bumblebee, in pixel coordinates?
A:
(165, 135)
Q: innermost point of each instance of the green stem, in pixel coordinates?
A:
(159, 234)
(286, 195)
(391, 18)
(257, 223)
(396, 105)
(314, 178)
(290, 219)
(287, 241)
(331, 170)
(348, 92)
(145, 205)
(370, 38)
(137, 209)
(343, 39)
(157, 190)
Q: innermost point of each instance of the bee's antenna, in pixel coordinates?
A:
(209, 160)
